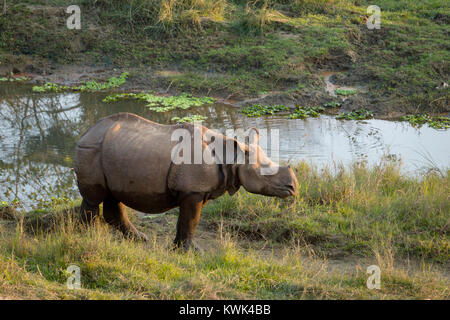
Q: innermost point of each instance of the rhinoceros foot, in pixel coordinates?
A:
(185, 246)
(138, 236)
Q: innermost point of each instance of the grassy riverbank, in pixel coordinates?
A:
(236, 49)
(315, 246)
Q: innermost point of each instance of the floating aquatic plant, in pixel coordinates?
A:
(112, 82)
(193, 118)
(361, 114)
(306, 112)
(417, 120)
(345, 92)
(160, 103)
(184, 101)
(50, 87)
(18, 79)
(120, 96)
(258, 110)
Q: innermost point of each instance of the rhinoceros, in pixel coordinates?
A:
(126, 160)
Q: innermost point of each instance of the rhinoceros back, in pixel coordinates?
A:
(129, 157)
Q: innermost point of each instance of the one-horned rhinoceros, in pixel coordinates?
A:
(127, 160)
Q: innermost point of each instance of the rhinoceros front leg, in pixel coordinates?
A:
(115, 214)
(188, 219)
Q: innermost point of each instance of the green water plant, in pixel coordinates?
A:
(11, 79)
(90, 86)
(50, 87)
(183, 101)
(258, 110)
(161, 103)
(345, 92)
(193, 118)
(361, 114)
(306, 112)
(417, 120)
(120, 96)
(440, 122)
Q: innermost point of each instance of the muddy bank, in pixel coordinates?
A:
(161, 81)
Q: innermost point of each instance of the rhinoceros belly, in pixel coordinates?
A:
(147, 203)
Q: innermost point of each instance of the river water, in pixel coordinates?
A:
(39, 131)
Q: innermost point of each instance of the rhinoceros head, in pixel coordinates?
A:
(261, 175)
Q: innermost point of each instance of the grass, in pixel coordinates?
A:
(352, 210)
(119, 269)
(163, 17)
(256, 247)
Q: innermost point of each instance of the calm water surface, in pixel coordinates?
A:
(39, 131)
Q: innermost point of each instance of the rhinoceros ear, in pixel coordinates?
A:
(253, 136)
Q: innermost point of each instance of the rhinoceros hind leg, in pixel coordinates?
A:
(88, 211)
(115, 214)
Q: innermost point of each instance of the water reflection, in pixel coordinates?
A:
(39, 132)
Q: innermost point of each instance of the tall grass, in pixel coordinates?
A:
(258, 15)
(163, 16)
(351, 210)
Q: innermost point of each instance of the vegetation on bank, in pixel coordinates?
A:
(258, 247)
(246, 47)
(91, 86)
